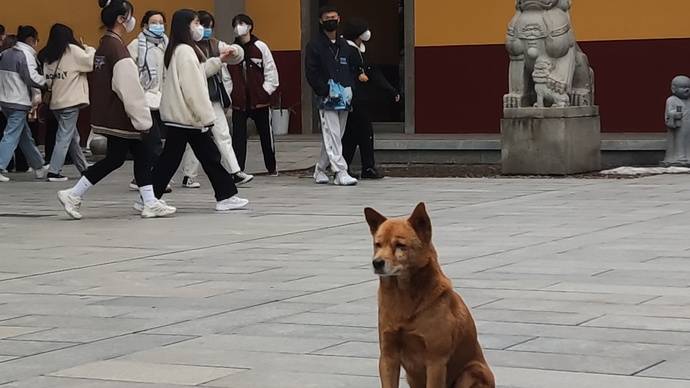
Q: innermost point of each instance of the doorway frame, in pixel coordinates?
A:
(309, 9)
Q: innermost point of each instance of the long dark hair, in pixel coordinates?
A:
(112, 9)
(61, 36)
(180, 33)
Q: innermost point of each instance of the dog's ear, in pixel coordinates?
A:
(374, 219)
(421, 223)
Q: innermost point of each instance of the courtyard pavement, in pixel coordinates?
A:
(573, 283)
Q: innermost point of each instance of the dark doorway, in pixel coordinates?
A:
(386, 51)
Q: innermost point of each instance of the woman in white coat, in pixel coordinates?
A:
(148, 51)
(66, 65)
(188, 113)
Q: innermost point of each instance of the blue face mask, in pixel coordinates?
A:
(157, 29)
(208, 33)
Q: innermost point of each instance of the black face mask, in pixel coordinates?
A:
(330, 25)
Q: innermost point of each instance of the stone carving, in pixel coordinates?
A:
(678, 123)
(547, 67)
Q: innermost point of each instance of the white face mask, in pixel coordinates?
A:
(130, 24)
(241, 29)
(365, 36)
(197, 32)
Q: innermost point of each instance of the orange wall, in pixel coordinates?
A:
(278, 22)
(82, 15)
(442, 22)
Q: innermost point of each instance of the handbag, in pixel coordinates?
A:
(48, 94)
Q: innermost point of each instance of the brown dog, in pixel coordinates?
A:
(424, 326)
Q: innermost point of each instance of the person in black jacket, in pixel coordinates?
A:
(359, 130)
(330, 70)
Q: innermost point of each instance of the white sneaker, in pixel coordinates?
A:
(70, 203)
(242, 178)
(321, 178)
(41, 173)
(234, 203)
(4, 178)
(158, 209)
(190, 183)
(133, 186)
(139, 204)
(344, 179)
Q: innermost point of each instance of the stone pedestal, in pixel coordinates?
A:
(551, 141)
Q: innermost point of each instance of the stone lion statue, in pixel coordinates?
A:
(546, 63)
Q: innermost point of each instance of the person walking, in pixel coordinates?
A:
(187, 110)
(220, 87)
(20, 93)
(253, 82)
(118, 111)
(147, 51)
(330, 68)
(359, 131)
(66, 64)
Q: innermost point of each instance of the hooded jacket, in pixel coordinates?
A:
(20, 79)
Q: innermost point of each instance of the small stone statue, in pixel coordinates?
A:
(546, 63)
(678, 123)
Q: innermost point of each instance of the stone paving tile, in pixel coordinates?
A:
(23, 348)
(264, 378)
(139, 372)
(65, 382)
(573, 282)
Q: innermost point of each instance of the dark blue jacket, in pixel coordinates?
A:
(327, 60)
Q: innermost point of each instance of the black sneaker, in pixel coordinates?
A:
(56, 178)
(371, 173)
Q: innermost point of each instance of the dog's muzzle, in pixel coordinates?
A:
(379, 266)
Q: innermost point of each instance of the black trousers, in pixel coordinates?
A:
(204, 149)
(239, 136)
(153, 139)
(115, 157)
(359, 133)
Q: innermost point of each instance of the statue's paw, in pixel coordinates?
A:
(511, 101)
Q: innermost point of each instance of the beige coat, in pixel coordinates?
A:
(69, 83)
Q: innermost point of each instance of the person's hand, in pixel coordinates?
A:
(397, 97)
(363, 78)
(228, 53)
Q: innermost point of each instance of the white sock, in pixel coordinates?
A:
(80, 189)
(147, 195)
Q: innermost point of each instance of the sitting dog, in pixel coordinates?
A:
(424, 326)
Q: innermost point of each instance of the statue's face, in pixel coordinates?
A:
(524, 5)
(681, 88)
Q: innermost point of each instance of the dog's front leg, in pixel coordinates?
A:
(436, 375)
(389, 370)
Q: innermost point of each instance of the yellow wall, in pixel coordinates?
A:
(82, 15)
(447, 22)
(278, 22)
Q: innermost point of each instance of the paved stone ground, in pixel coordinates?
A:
(573, 283)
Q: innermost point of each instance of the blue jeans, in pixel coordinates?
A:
(17, 132)
(67, 140)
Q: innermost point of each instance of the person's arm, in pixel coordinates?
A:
(237, 53)
(30, 74)
(313, 72)
(133, 48)
(84, 58)
(127, 87)
(192, 84)
(377, 77)
(271, 78)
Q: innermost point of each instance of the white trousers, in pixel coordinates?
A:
(333, 125)
(223, 140)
